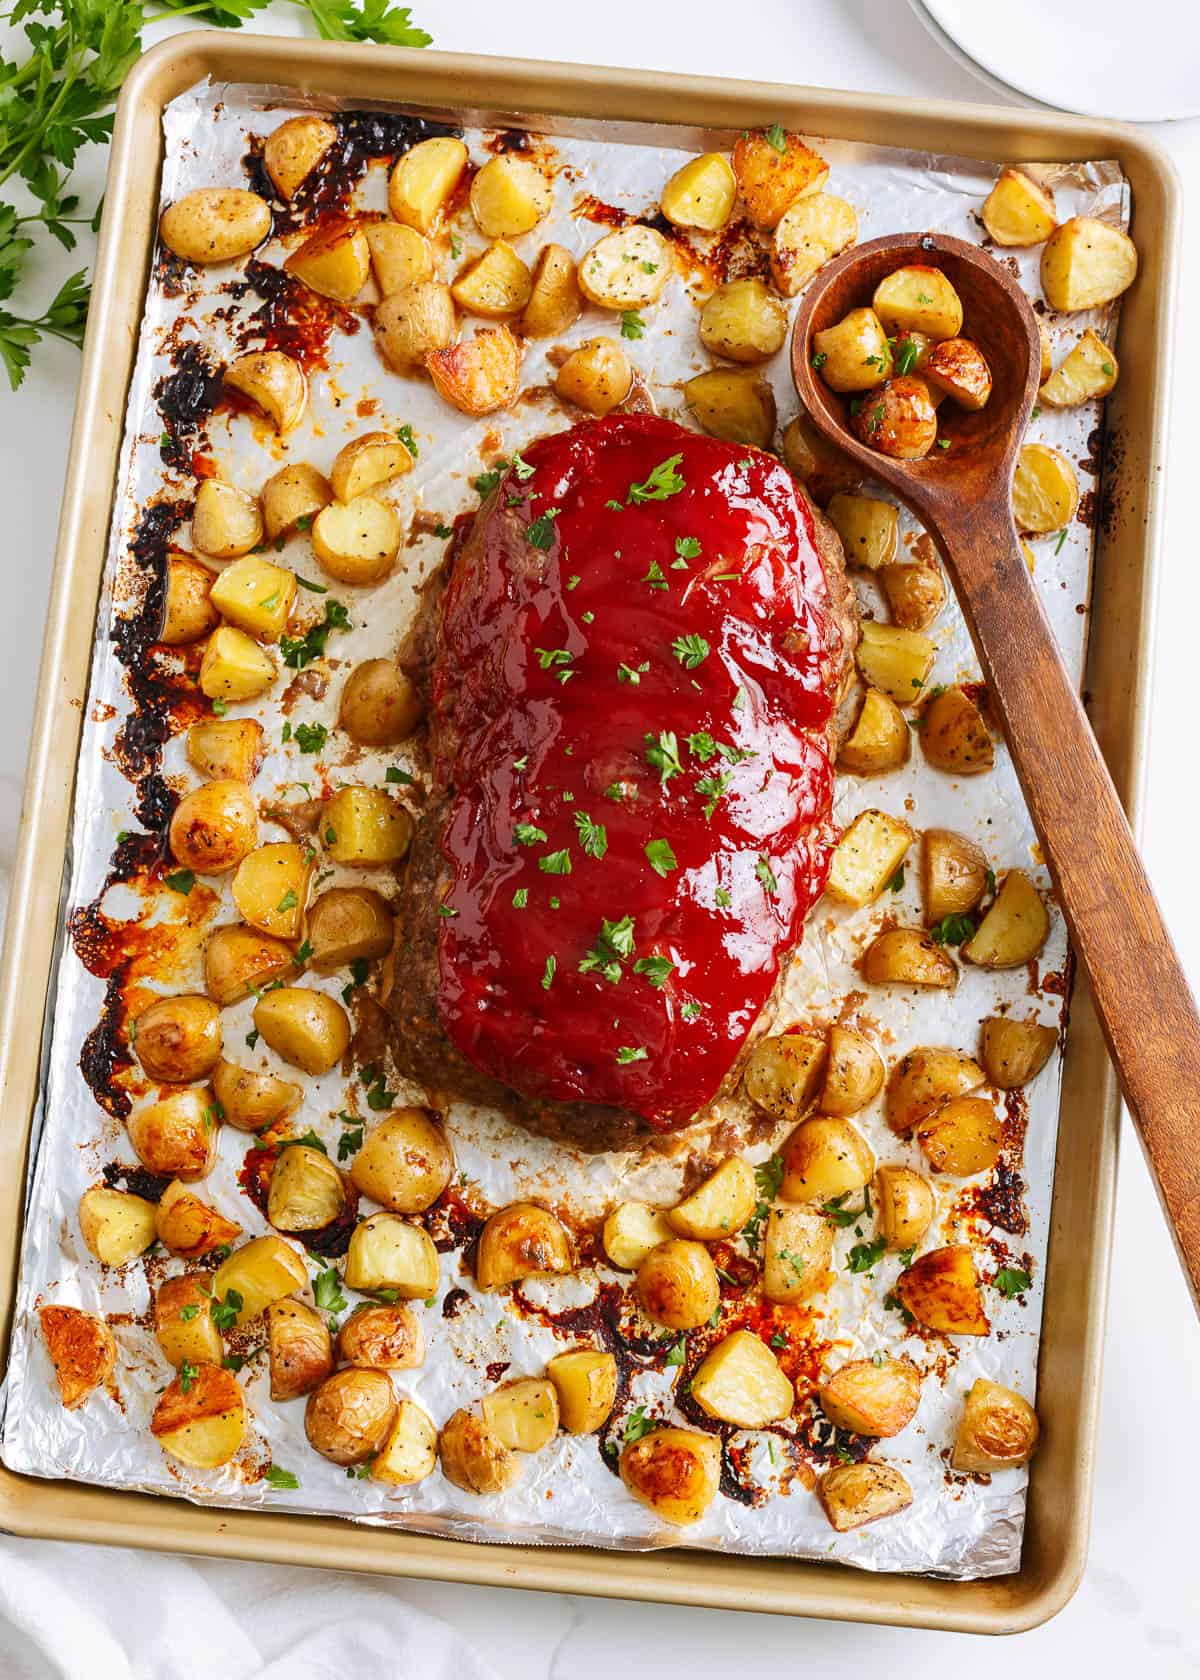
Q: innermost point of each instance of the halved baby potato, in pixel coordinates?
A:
(674, 1472)
(1014, 1052)
(274, 382)
(631, 1230)
(387, 1252)
(743, 322)
(920, 299)
(908, 957)
(736, 405)
(954, 874)
(823, 1158)
(916, 593)
(866, 857)
(334, 261)
(82, 1349)
(405, 1162)
(1015, 927)
(585, 1380)
(1045, 492)
(348, 924)
(509, 196)
(480, 375)
(925, 1078)
(423, 181)
(270, 887)
(400, 256)
(496, 284)
(876, 1396)
(718, 1207)
(1018, 210)
(867, 526)
(365, 827)
(226, 521)
(410, 1451)
(410, 323)
(959, 367)
(262, 1271)
(307, 1192)
(474, 1458)
(115, 1225)
(701, 193)
(1086, 263)
(384, 1335)
(176, 1137)
(239, 960)
(523, 1414)
(784, 1072)
(519, 1241)
(213, 828)
(853, 1074)
(253, 1101)
(292, 498)
(880, 739)
(188, 612)
(597, 377)
(380, 705)
(177, 1039)
(797, 1253)
(225, 749)
(293, 150)
(677, 1284)
(188, 1226)
(941, 1291)
(308, 1029)
(808, 235)
(954, 736)
(183, 1322)
(854, 1494)
(215, 224)
(740, 1382)
(627, 269)
(365, 463)
(255, 595)
(899, 419)
(234, 667)
(357, 542)
(998, 1430)
(555, 301)
(773, 169)
(853, 354)
(299, 1349)
(350, 1415)
(201, 1417)
(961, 1137)
(1089, 371)
(893, 660)
(904, 1206)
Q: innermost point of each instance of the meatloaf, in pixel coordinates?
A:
(632, 658)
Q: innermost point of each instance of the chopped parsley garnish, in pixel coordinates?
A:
(181, 881)
(395, 774)
(443, 531)
(677, 1352)
(528, 834)
(687, 548)
(952, 930)
(712, 788)
(299, 652)
(690, 651)
(658, 970)
(654, 576)
(620, 791)
(573, 581)
(378, 1095)
(614, 945)
(766, 875)
(897, 881)
(188, 1313)
(327, 1291)
(820, 357)
(627, 674)
(555, 863)
(405, 434)
(617, 507)
(317, 588)
(310, 737)
(277, 1478)
(662, 754)
(768, 1176)
(522, 468)
(225, 1309)
(1062, 537)
(664, 481)
(455, 246)
(661, 857)
(1012, 1280)
(351, 1140)
(632, 1053)
(638, 1424)
(187, 1376)
(689, 1009)
(864, 1257)
(632, 325)
(776, 137)
(906, 357)
(836, 1212)
(445, 910)
(487, 481)
(550, 657)
(942, 443)
(289, 901)
(701, 745)
(724, 898)
(593, 836)
(541, 533)
(922, 298)
(520, 898)
(548, 973)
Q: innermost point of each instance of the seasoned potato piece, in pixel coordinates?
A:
(893, 660)
(293, 150)
(1085, 263)
(225, 749)
(365, 826)
(811, 232)
(627, 269)
(596, 377)
(1018, 210)
(177, 1136)
(255, 595)
(424, 180)
(954, 874)
(307, 1191)
(916, 593)
(853, 355)
(631, 1230)
(226, 521)
(908, 957)
(962, 1137)
(379, 704)
(261, 1272)
(1014, 928)
(925, 1078)
(270, 887)
(880, 739)
(357, 542)
(784, 1072)
(677, 1284)
(1045, 492)
(797, 1253)
(997, 1431)
(400, 256)
(737, 406)
(82, 1350)
(347, 924)
(519, 1241)
(253, 1101)
(188, 612)
(496, 284)
(509, 196)
(386, 1252)
(941, 1291)
(408, 324)
(299, 1349)
(386, 1336)
(200, 1418)
(1089, 371)
(178, 1039)
(555, 301)
(188, 1226)
(522, 1414)
(292, 498)
(824, 1158)
(853, 1074)
(307, 1028)
(958, 367)
(238, 959)
(773, 169)
(810, 457)
(701, 193)
(274, 382)
(215, 224)
(1014, 1052)
(718, 1207)
(675, 1472)
(743, 322)
(870, 1398)
(474, 1458)
(867, 856)
(183, 1323)
(213, 828)
(899, 419)
(234, 667)
(479, 376)
(954, 736)
(867, 527)
(740, 1382)
(585, 1380)
(410, 1451)
(919, 299)
(115, 1225)
(365, 463)
(1047, 353)
(334, 261)
(350, 1416)
(854, 1494)
(406, 1161)
(904, 1206)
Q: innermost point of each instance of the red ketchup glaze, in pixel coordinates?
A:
(716, 749)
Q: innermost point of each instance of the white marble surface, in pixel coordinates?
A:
(1139, 1605)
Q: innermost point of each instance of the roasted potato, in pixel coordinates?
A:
(299, 1349)
(226, 521)
(954, 874)
(253, 1101)
(596, 377)
(386, 1252)
(365, 826)
(522, 1414)
(82, 1350)
(872, 1396)
(178, 1039)
(853, 1074)
(941, 1291)
(408, 324)
(334, 261)
(357, 542)
(400, 256)
(239, 960)
(867, 857)
(958, 367)
(718, 1207)
(1014, 928)
(1018, 210)
(853, 354)
(701, 193)
(386, 1336)
(1089, 371)
(743, 322)
(478, 376)
(115, 1225)
(797, 1253)
(262, 1271)
(365, 463)
(305, 1027)
(784, 1072)
(270, 887)
(810, 457)
(899, 419)
(424, 180)
(919, 299)
(509, 196)
(677, 1284)
(916, 593)
(188, 612)
(773, 169)
(675, 1472)
(954, 736)
(961, 1137)
(379, 704)
(273, 382)
(201, 1417)
(1045, 492)
(998, 1430)
(904, 1206)
(213, 828)
(627, 269)
(585, 1380)
(1014, 1052)
(293, 150)
(234, 667)
(410, 1452)
(925, 1078)
(350, 1416)
(348, 924)
(879, 740)
(824, 1158)
(738, 406)
(893, 660)
(215, 224)
(1047, 362)
(307, 1191)
(740, 1382)
(188, 1226)
(406, 1161)
(225, 749)
(631, 1230)
(854, 1494)
(808, 235)
(908, 957)
(183, 1324)
(176, 1137)
(519, 1241)
(555, 301)
(495, 285)
(867, 527)
(1085, 263)
(474, 1458)
(292, 498)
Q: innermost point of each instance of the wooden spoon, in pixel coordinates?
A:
(962, 495)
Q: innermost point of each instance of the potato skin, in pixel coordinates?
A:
(1014, 1052)
(509, 196)
(811, 458)
(188, 612)
(940, 1289)
(387, 1338)
(797, 1253)
(925, 1078)
(480, 375)
(585, 1380)
(405, 1162)
(474, 1458)
(998, 1430)
(1015, 926)
(916, 593)
(954, 874)
(270, 887)
(297, 491)
(674, 1472)
(366, 462)
(334, 261)
(225, 749)
(274, 382)
(677, 1284)
(238, 958)
(743, 322)
(1045, 490)
(251, 1100)
(347, 923)
(349, 1417)
(215, 224)
(188, 1226)
(305, 1027)
(958, 367)
(822, 1158)
(718, 1207)
(519, 1241)
(555, 301)
(178, 1039)
(853, 354)
(853, 1074)
(213, 828)
(413, 321)
(854, 1494)
(204, 1426)
(307, 1191)
(954, 737)
(424, 180)
(880, 739)
(770, 180)
(82, 1350)
(904, 1206)
(194, 1338)
(872, 1399)
(293, 150)
(596, 377)
(908, 957)
(226, 521)
(734, 404)
(784, 1072)
(379, 705)
(299, 1349)
(961, 1137)
(177, 1136)
(115, 1225)
(899, 419)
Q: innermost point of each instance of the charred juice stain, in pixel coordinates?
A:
(509, 140)
(589, 208)
(104, 1058)
(333, 1239)
(1002, 1200)
(1060, 981)
(496, 1369)
(453, 1302)
(739, 252)
(452, 1223)
(149, 1186)
(185, 399)
(290, 318)
(171, 274)
(254, 1175)
(735, 1271)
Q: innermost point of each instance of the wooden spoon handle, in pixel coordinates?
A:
(1142, 995)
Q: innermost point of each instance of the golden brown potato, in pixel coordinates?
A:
(867, 527)
(520, 1241)
(365, 826)
(1085, 263)
(480, 375)
(853, 1074)
(879, 740)
(853, 354)
(904, 1206)
(784, 1072)
(1047, 362)
(522, 1414)
(307, 1191)
(958, 367)
(400, 256)
(387, 1337)
(201, 1417)
(350, 1416)
(701, 193)
(867, 857)
(899, 419)
(225, 749)
(962, 1137)
(925, 1078)
(596, 377)
(773, 169)
(941, 1291)
(234, 667)
(1018, 210)
(495, 285)
(183, 1323)
(509, 196)
(738, 406)
(292, 498)
(215, 224)
(740, 1382)
(824, 1158)
(357, 542)
(585, 1380)
(239, 960)
(997, 1431)
(631, 1230)
(226, 521)
(1014, 1052)
(270, 887)
(916, 593)
(177, 1136)
(261, 1272)
(474, 1458)
(178, 1039)
(410, 1452)
(1045, 492)
(677, 1284)
(365, 463)
(188, 612)
(1015, 927)
(718, 1207)
(797, 1253)
(954, 874)
(954, 736)
(810, 457)
(854, 1494)
(743, 322)
(408, 324)
(406, 1161)
(188, 1226)
(628, 269)
(82, 1350)
(1089, 371)
(115, 1225)
(808, 235)
(305, 1027)
(424, 180)
(379, 704)
(348, 924)
(895, 661)
(293, 150)
(872, 1396)
(299, 1349)
(919, 299)
(214, 827)
(334, 261)
(555, 301)
(386, 1252)
(908, 957)
(272, 381)
(675, 1472)
(253, 1101)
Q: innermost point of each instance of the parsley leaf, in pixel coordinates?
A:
(528, 834)
(632, 325)
(541, 533)
(776, 137)
(661, 857)
(952, 930)
(766, 875)
(638, 1424)
(1012, 1280)
(548, 972)
(181, 881)
(310, 737)
(662, 754)
(690, 651)
(632, 1053)
(906, 357)
(864, 1257)
(299, 652)
(664, 481)
(327, 1291)
(224, 1311)
(593, 837)
(187, 1376)
(701, 745)
(658, 970)
(687, 548)
(555, 863)
(277, 1478)
(614, 945)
